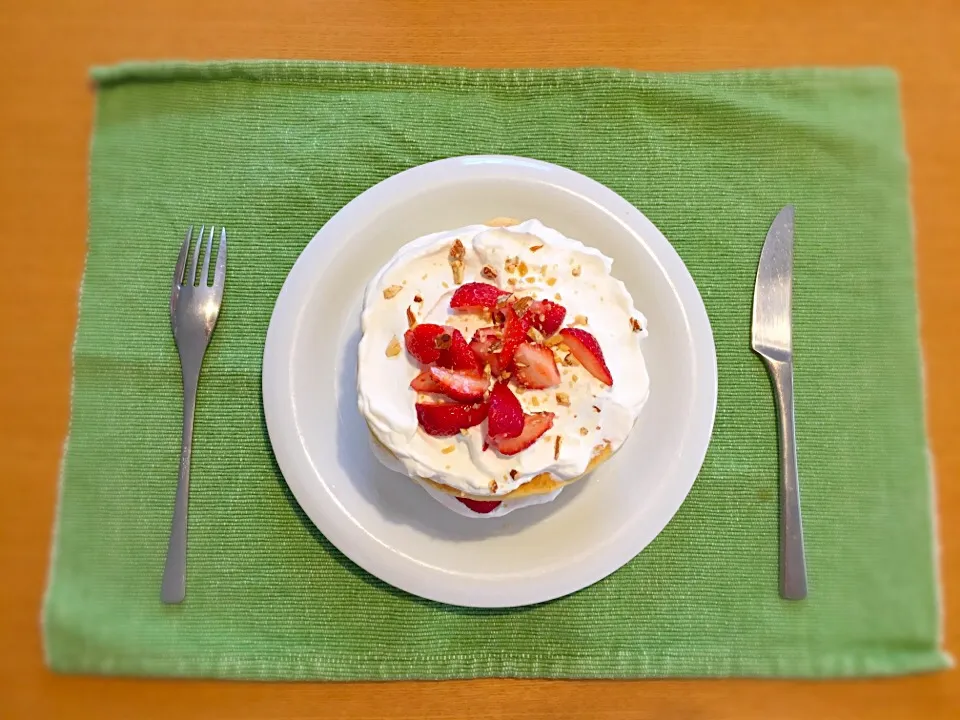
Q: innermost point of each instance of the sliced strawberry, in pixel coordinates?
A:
(421, 342)
(546, 316)
(445, 419)
(535, 366)
(505, 417)
(459, 356)
(459, 385)
(514, 332)
(534, 425)
(486, 345)
(425, 383)
(476, 296)
(480, 506)
(586, 349)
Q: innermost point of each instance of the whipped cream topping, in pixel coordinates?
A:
(419, 280)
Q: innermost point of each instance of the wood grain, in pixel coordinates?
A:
(45, 117)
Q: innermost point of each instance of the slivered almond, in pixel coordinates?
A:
(411, 318)
(556, 447)
(448, 449)
(502, 222)
(393, 347)
(392, 291)
(554, 340)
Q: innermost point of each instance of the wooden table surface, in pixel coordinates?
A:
(46, 105)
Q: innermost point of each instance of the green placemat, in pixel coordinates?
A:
(272, 150)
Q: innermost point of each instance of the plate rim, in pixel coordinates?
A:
(281, 422)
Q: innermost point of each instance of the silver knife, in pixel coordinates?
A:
(772, 341)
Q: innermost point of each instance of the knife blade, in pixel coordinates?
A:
(773, 290)
(771, 338)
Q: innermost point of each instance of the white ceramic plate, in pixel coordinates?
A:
(387, 524)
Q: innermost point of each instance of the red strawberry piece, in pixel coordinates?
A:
(421, 342)
(476, 296)
(514, 332)
(534, 425)
(505, 416)
(546, 316)
(445, 419)
(459, 356)
(486, 345)
(480, 506)
(535, 366)
(459, 385)
(586, 349)
(425, 383)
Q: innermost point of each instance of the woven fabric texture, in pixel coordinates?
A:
(272, 150)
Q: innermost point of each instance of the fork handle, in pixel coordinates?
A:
(174, 585)
(793, 565)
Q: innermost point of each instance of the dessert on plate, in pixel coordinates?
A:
(498, 364)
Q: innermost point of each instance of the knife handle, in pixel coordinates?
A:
(793, 566)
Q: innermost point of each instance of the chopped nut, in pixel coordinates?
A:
(464, 431)
(543, 269)
(554, 340)
(576, 271)
(487, 371)
(574, 378)
(520, 390)
(596, 409)
(520, 306)
(457, 253)
(444, 283)
(448, 449)
(556, 447)
(551, 281)
(514, 473)
(424, 277)
(535, 334)
(489, 273)
(584, 431)
(393, 348)
(496, 346)
(443, 341)
(522, 268)
(529, 279)
(417, 299)
(569, 360)
(411, 318)
(598, 427)
(580, 320)
(447, 467)
(493, 486)
(563, 399)
(556, 296)
(535, 248)
(535, 401)
(511, 282)
(392, 291)
(510, 264)
(635, 324)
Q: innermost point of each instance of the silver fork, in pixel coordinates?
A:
(194, 309)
